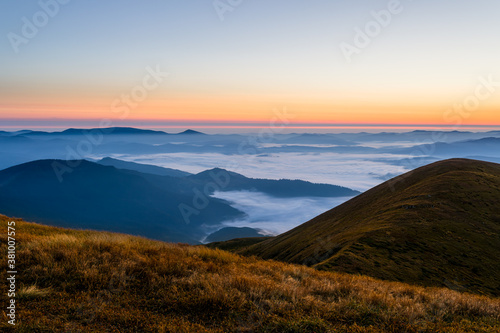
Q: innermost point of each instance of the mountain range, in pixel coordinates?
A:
(417, 147)
(438, 225)
(84, 194)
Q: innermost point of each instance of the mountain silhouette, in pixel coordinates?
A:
(190, 132)
(282, 188)
(84, 194)
(144, 168)
(90, 195)
(438, 225)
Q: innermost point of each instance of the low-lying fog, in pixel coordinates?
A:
(274, 215)
(356, 171)
(358, 161)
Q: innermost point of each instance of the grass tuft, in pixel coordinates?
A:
(27, 292)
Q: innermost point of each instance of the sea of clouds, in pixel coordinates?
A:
(277, 215)
(274, 215)
(356, 171)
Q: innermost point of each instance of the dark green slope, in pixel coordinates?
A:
(438, 225)
(144, 168)
(134, 198)
(283, 188)
(94, 196)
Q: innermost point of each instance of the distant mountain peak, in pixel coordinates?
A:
(190, 132)
(130, 130)
(107, 131)
(210, 172)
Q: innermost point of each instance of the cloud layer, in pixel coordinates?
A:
(356, 171)
(275, 215)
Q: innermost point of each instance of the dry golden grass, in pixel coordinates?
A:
(32, 291)
(83, 281)
(448, 238)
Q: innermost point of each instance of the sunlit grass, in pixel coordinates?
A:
(82, 281)
(32, 291)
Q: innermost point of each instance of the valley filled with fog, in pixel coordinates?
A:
(274, 215)
(356, 161)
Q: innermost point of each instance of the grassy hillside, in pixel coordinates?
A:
(438, 225)
(87, 281)
(236, 244)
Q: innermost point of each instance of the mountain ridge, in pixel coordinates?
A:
(437, 225)
(86, 194)
(145, 168)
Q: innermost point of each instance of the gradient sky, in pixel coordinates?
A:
(264, 55)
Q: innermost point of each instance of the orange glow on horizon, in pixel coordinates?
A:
(252, 109)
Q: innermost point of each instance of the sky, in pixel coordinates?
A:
(241, 62)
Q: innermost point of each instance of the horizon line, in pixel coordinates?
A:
(96, 123)
(60, 127)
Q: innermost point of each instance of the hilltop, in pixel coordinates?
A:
(438, 225)
(106, 131)
(144, 168)
(83, 131)
(87, 281)
(282, 188)
(133, 198)
(83, 194)
(191, 132)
